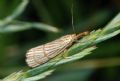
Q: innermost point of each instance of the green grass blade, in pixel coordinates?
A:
(38, 77)
(17, 11)
(21, 26)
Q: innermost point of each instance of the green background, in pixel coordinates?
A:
(102, 65)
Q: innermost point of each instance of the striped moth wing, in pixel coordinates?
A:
(43, 53)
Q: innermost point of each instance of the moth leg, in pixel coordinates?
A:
(64, 55)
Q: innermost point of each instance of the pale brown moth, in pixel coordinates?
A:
(43, 53)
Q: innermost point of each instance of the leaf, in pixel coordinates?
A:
(45, 27)
(16, 76)
(17, 26)
(114, 21)
(108, 36)
(113, 25)
(16, 12)
(76, 56)
(38, 77)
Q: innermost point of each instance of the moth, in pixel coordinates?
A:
(43, 53)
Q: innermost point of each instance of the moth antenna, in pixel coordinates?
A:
(72, 18)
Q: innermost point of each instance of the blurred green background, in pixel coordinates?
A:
(102, 65)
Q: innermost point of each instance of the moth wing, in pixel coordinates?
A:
(35, 56)
(41, 54)
(56, 47)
